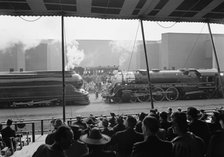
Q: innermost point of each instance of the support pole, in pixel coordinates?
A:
(216, 58)
(63, 66)
(147, 65)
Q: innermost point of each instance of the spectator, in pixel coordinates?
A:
(198, 127)
(164, 123)
(214, 125)
(138, 127)
(216, 143)
(120, 125)
(7, 133)
(96, 142)
(50, 137)
(112, 120)
(186, 144)
(123, 140)
(78, 148)
(151, 144)
(63, 140)
(169, 113)
(105, 129)
(161, 133)
(82, 125)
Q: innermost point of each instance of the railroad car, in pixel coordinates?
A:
(26, 89)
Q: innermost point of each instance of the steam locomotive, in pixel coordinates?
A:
(168, 85)
(41, 88)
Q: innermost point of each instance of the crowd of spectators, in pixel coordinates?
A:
(157, 134)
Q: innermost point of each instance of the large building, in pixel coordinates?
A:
(183, 50)
(173, 51)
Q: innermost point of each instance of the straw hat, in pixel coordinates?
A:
(95, 137)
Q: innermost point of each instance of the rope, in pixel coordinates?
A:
(30, 20)
(133, 47)
(166, 27)
(194, 46)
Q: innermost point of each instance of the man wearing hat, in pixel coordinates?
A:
(50, 137)
(197, 126)
(96, 142)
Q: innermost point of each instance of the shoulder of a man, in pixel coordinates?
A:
(41, 151)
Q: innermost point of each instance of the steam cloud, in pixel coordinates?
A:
(74, 55)
(124, 48)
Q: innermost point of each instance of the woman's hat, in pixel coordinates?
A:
(95, 137)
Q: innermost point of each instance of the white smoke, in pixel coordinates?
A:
(74, 55)
(124, 49)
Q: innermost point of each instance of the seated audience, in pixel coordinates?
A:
(78, 148)
(150, 146)
(50, 137)
(63, 140)
(7, 133)
(186, 144)
(216, 143)
(123, 140)
(96, 141)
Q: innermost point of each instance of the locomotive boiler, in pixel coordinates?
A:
(168, 85)
(41, 88)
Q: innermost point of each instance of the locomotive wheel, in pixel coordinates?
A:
(133, 98)
(172, 94)
(116, 100)
(158, 94)
(143, 97)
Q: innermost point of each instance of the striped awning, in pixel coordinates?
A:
(152, 10)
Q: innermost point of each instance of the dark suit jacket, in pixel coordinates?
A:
(100, 153)
(7, 132)
(124, 141)
(152, 147)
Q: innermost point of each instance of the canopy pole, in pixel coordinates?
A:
(216, 57)
(63, 66)
(147, 65)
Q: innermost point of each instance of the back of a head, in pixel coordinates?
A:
(57, 123)
(151, 123)
(9, 122)
(63, 132)
(131, 121)
(193, 112)
(163, 115)
(180, 119)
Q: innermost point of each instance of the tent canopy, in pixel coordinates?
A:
(153, 10)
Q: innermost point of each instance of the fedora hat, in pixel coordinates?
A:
(95, 137)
